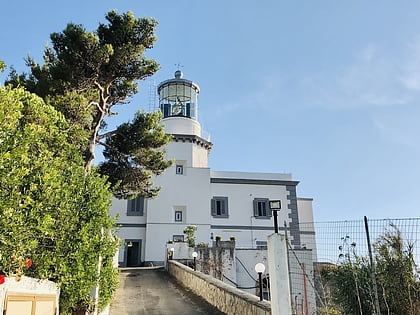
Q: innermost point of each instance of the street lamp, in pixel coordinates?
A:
(194, 254)
(260, 268)
(275, 206)
(171, 253)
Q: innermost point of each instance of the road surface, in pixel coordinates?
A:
(151, 291)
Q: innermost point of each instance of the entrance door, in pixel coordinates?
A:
(133, 253)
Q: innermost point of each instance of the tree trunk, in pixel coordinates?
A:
(98, 116)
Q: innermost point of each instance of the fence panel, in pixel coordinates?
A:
(325, 245)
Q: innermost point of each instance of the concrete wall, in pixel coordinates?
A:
(226, 298)
(219, 261)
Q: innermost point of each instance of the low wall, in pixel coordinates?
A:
(224, 297)
(30, 290)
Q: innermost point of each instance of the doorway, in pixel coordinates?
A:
(133, 257)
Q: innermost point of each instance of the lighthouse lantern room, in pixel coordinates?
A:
(178, 97)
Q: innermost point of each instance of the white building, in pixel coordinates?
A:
(222, 204)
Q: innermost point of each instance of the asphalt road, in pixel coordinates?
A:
(151, 291)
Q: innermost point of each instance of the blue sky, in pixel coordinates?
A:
(326, 90)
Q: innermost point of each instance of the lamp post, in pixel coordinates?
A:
(275, 206)
(171, 253)
(260, 268)
(194, 254)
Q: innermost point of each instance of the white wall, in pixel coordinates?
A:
(190, 192)
(245, 272)
(182, 125)
(241, 212)
(306, 222)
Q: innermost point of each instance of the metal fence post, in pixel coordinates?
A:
(372, 267)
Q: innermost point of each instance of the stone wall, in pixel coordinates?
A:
(226, 298)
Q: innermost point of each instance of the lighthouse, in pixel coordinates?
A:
(178, 102)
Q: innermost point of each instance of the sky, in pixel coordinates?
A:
(326, 90)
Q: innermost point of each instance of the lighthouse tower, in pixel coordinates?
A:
(184, 198)
(218, 203)
(178, 101)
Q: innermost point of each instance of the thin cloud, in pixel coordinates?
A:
(400, 128)
(373, 78)
(410, 76)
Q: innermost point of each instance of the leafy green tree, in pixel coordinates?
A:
(54, 217)
(85, 74)
(189, 231)
(132, 156)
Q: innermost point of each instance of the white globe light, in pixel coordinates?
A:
(259, 268)
(194, 254)
(172, 249)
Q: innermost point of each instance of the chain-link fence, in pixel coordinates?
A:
(332, 271)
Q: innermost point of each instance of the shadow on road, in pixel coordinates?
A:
(150, 290)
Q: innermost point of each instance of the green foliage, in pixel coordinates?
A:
(84, 75)
(52, 213)
(189, 231)
(351, 286)
(112, 58)
(398, 288)
(2, 66)
(132, 156)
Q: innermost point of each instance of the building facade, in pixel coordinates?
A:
(219, 204)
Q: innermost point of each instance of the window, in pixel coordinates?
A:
(261, 208)
(178, 216)
(178, 238)
(179, 169)
(135, 206)
(219, 207)
(261, 244)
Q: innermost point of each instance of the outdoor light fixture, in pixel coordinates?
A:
(129, 244)
(194, 254)
(171, 253)
(275, 206)
(260, 268)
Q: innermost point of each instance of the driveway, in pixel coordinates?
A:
(151, 291)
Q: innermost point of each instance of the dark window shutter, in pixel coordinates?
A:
(267, 206)
(213, 207)
(140, 205)
(255, 202)
(223, 207)
(130, 205)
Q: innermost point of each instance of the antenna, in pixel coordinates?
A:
(152, 95)
(179, 65)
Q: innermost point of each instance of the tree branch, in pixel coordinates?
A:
(107, 134)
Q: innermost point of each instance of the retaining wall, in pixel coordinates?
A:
(226, 298)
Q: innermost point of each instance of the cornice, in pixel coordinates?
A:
(254, 181)
(193, 139)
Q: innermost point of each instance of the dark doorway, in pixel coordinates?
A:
(133, 253)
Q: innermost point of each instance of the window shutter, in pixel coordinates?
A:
(140, 205)
(213, 207)
(223, 206)
(267, 206)
(130, 205)
(255, 202)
